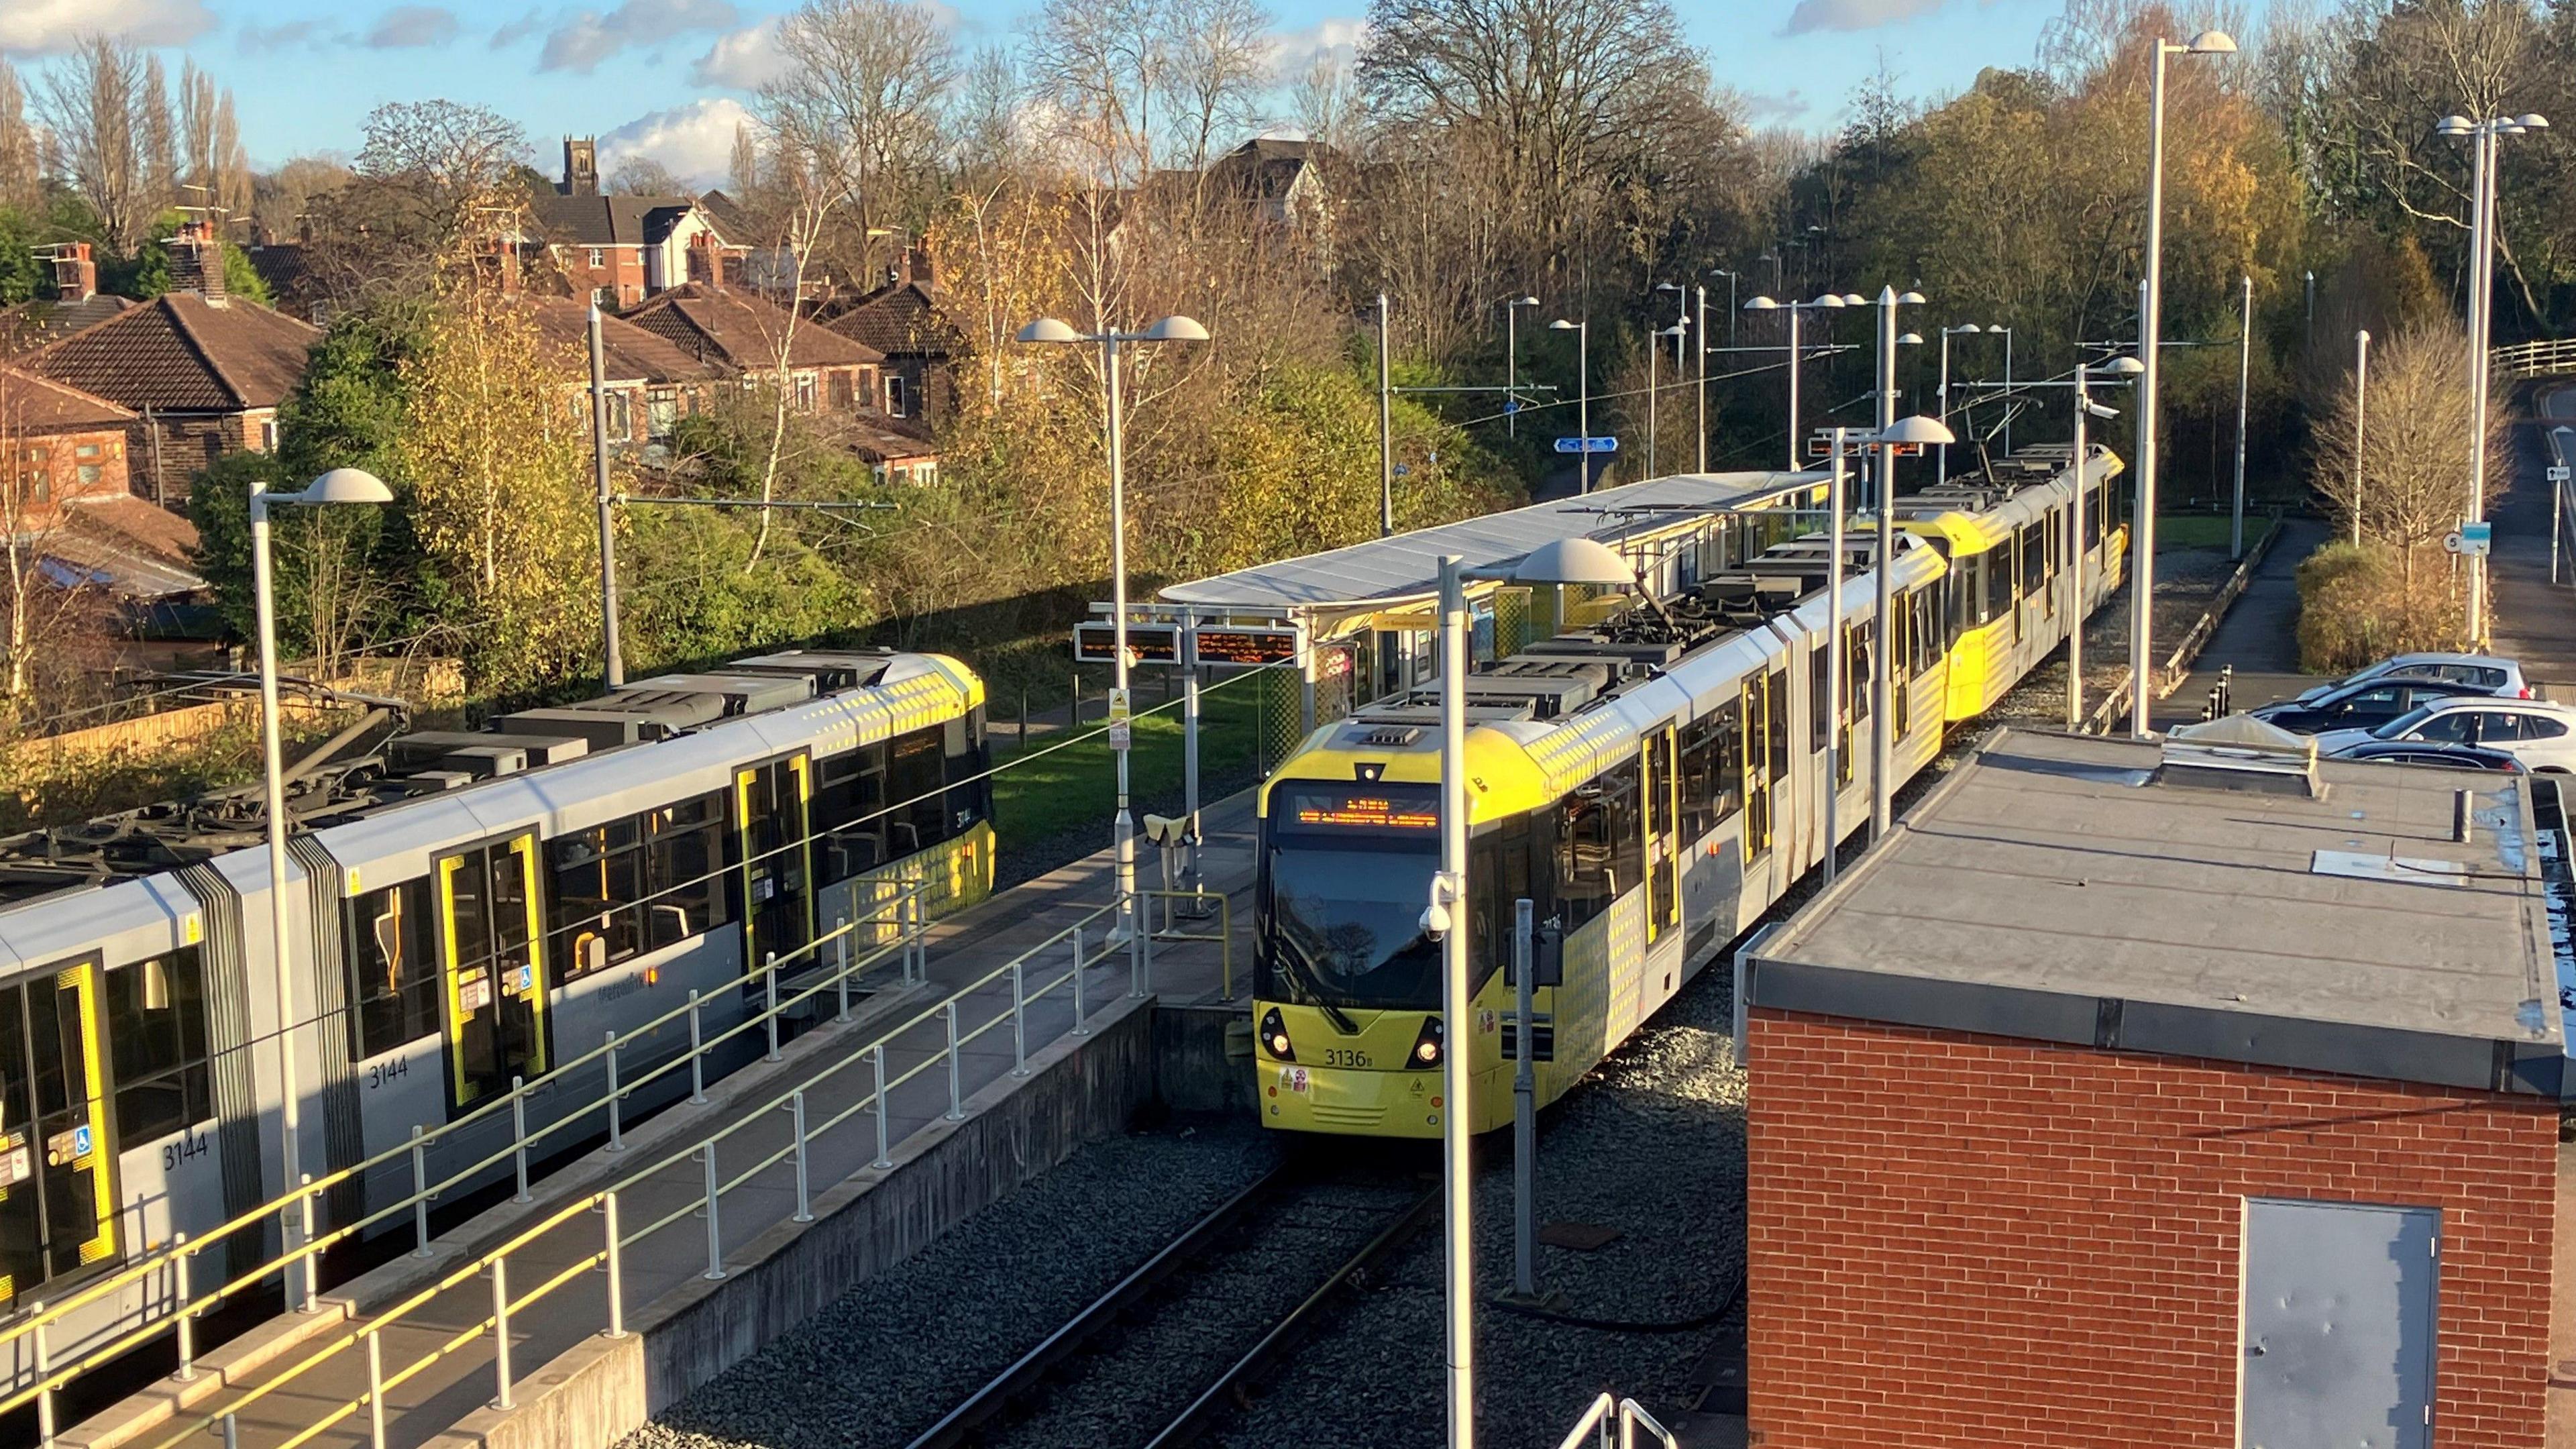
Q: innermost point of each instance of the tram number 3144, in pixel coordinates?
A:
(179, 1149)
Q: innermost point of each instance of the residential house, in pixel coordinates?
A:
(741, 334)
(898, 452)
(76, 302)
(1288, 191)
(623, 249)
(66, 454)
(762, 260)
(903, 322)
(650, 383)
(202, 371)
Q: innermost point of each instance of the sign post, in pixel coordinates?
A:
(2471, 540)
(1587, 445)
(1118, 726)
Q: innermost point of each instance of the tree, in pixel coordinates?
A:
(1220, 65)
(281, 199)
(21, 176)
(644, 176)
(94, 105)
(858, 106)
(39, 614)
(2417, 412)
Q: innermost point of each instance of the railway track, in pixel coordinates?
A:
(1183, 1340)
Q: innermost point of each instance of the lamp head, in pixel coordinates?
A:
(1675, 330)
(1964, 327)
(344, 485)
(2454, 126)
(1575, 560)
(1910, 339)
(1854, 299)
(1047, 329)
(2532, 121)
(2213, 42)
(1909, 299)
(1667, 287)
(1561, 325)
(2121, 366)
(1762, 304)
(1916, 429)
(1829, 299)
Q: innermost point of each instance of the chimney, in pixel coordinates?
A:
(197, 260)
(581, 166)
(918, 260)
(75, 274)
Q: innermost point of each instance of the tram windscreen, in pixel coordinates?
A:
(1347, 874)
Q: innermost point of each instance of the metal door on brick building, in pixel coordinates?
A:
(2338, 1325)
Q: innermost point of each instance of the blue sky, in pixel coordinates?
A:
(666, 77)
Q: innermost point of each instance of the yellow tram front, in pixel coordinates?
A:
(1346, 993)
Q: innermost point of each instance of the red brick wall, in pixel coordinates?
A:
(621, 267)
(1976, 1241)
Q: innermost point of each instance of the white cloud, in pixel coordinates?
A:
(1853, 14)
(582, 42)
(520, 29)
(279, 37)
(694, 140)
(406, 26)
(49, 27)
(1764, 109)
(1335, 38)
(744, 60)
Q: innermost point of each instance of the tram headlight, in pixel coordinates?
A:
(1274, 1035)
(1427, 1044)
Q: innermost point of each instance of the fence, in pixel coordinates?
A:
(2536, 359)
(1073, 946)
(904, 914)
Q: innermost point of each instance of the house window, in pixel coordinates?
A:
(926, 472)
(85, 450)
(89, 472)
(805, 391)
(621, 416)
(840, 391)
(41, 487)
(268, 435)
(39, 454)
(895, 398)
(604, 297)
(597, 259)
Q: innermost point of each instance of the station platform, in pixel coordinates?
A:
(304, 1378)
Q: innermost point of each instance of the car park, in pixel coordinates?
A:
(2488, 672)
(2424, 752)
(2365, 705)
(2541, 735)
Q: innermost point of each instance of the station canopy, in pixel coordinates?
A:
(1330, 592)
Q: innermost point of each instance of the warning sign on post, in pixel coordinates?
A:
(1119, 732)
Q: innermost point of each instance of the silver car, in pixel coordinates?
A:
(2539, 734)
(2481, 671)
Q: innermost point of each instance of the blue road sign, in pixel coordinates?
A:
(1587, 445)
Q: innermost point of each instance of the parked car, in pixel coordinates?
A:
(2424, 752)
(2494, 675)
(2541, 735)
(2363, 706)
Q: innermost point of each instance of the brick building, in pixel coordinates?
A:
(74, 301)
(2121, 1097)
(650, 384)
(60, 444)
(203, 372)
(902, 322)
(741, 334)
(619, 250)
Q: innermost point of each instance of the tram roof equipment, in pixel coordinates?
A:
(2089, 892)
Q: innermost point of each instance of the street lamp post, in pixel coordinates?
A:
(1731, 279)
(1825, 301)
(1701, 415)
(1914, 431)
(1583, 393)
(1110, 340)
(1576, 560)
(339, 486)
(2085, 410)
(1889, 299)
(612, 659)
(2244, 376)
(1512, 363)
(2008, 382)
(2150, 342)
(1964, 329)
(1385, 430)
(2360, 412)
(1654, 351)
(2484, 135)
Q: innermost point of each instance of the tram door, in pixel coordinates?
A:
(1757, 763)
(493, 959)
(771, 804)
(1663, 892)
(57, 1194)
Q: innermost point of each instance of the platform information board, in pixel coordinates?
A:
(1242, 646)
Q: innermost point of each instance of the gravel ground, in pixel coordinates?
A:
(885, 1362)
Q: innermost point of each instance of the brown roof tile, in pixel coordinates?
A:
(31, 325)
(31, 404)
(740, 331)
(627, 352)
(182, 353)
(899, 321)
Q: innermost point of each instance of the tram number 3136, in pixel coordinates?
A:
(1339, 1058)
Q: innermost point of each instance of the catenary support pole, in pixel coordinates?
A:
(1457, 1006)
(1524, 1108)
(2244, 377)
(613, 659)
(1385, 430)
(2142, 588)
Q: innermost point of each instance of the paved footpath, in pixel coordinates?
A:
(962, 949)
(2259, 636)
(2533, 620)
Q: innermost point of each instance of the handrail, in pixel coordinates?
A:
(704, 1153)
(902, 911)
(1596, 1421)
(2535, 359)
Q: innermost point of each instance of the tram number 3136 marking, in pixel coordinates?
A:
(181, 1148)
(1334, 1057)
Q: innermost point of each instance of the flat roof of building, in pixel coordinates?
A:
(1406, 567)
(2062, 888)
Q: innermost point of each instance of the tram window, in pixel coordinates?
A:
(849, 805)
(156, 1020)
(1601, 850)
(1858, 641)
(2094, 508)
(1999, 583)
(1819, 680)
(1712, 769)
(684, 855)
(598, 881)
(2034, 560)
(915, 782)
(22, 1227)
(1777, 698)
(393, 960)
(1968, 592)
(1500, 859)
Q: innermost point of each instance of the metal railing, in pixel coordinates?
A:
(2535, 359)
(1072, 947)
(1627, 1414)
(1169, 928)
(903, 913)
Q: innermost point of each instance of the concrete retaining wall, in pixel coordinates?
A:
(1203, 1059)
(594, 1394)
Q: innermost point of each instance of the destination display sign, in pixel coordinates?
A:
(1146, 643)
(1247, 645)
(1340, 808)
